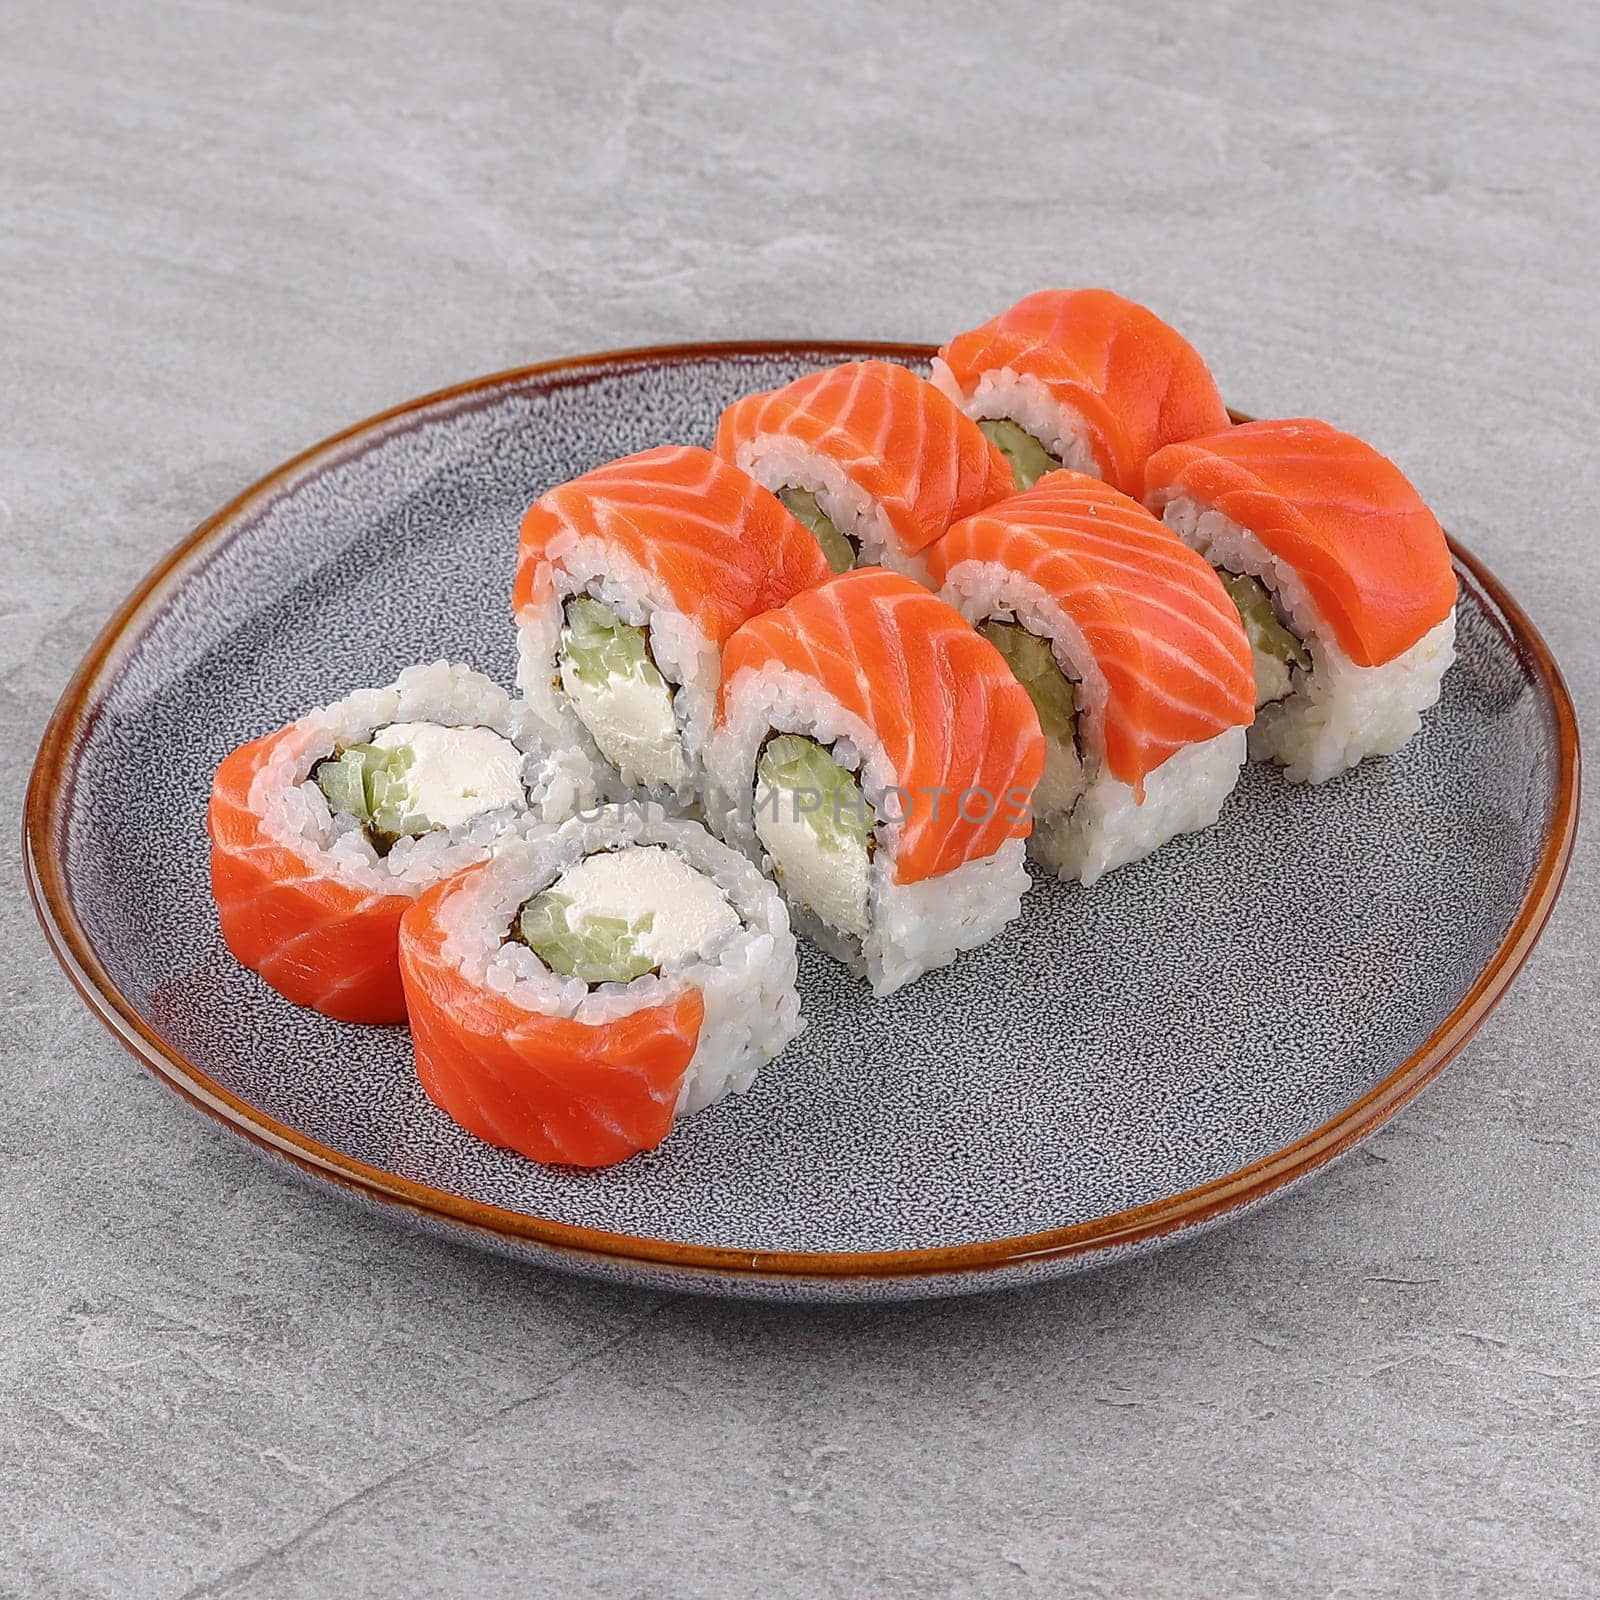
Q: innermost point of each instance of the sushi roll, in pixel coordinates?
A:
(876, 756)
(324, 832)
(873, 459)
(1080, 378)
(1342, 577)
(629, 580)
(1132, 653)
(590, 984)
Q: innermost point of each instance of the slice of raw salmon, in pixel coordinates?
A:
(1137, 383)
(552, 1088)
(317, 939)
(892, 434)
(1163, 635)
(722, 546)
(1370, 553)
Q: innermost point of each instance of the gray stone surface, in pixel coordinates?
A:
(228, 229)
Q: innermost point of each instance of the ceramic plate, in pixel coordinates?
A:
(1125, 1065)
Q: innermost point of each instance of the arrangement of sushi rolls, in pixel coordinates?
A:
(878, 755)
(323, 833)
(1080, 378)
(1132, 653)
(873, 459)
(886, 638)
(590, 984)
(1341, 575)
(629, 581)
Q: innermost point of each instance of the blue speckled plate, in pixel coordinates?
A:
(1127, 1063)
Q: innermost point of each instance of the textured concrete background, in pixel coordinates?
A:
(228, 229)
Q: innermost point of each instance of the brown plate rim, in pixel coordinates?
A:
(49, 790)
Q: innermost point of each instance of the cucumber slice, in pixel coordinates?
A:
(342, 778)
(390, 803)
(601, 646)
(1034, 665)
(370, 785)
(1262, 624)
(835, 546)
(840, 815)
(595, 950)
(1029, 459)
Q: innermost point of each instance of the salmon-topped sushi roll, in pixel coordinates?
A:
(1132, 654)
(324, 832)
(872, 458)
(1342, 577)
(1080, 378)
(629, 581)
(592, 983)
(876, 755)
